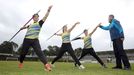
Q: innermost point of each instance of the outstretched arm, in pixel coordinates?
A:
(77, 38)
(48, 11)
(109, 26)
(95, 29)
(113, 23)
(73, 26)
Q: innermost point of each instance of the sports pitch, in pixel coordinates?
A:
(37, 68)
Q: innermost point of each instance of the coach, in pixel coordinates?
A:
(117, 36)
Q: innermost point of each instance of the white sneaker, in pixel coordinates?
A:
(81, 67)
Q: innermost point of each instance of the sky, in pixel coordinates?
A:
(15, 13)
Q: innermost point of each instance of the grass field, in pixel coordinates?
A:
(36, 68)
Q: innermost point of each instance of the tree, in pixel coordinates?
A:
(78, 51)
(8, 47)
(56, 49)
(52, 50)
(15, 45)
(46, 52)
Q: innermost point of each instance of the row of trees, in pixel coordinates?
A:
(12, 48)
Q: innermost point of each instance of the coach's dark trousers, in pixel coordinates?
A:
(120, 54)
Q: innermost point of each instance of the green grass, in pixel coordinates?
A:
(36, 68)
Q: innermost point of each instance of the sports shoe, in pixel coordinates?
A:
(75, 64)
(20, 65)
(47, 67)
(81, 67)
(127, 68)
(116, 67)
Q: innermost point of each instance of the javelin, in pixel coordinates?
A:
(79, 34)
(54, 33)
(23, 26)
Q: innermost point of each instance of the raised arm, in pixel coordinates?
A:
(95, 29)
(48, 11)
(73, 26)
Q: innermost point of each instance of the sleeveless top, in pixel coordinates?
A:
(65, 37)
(87, 42)
(33, 31)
